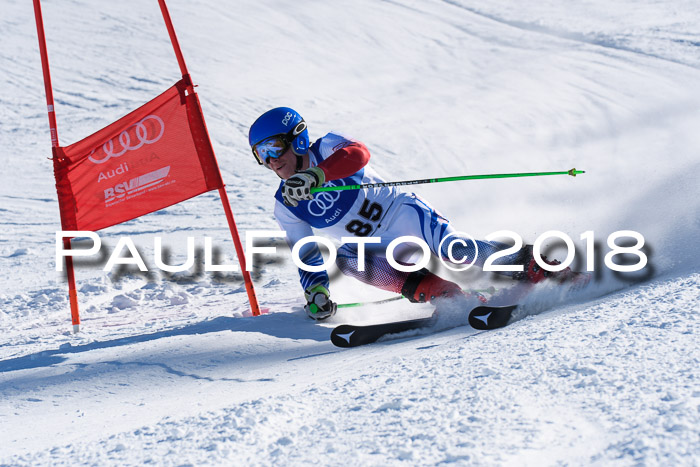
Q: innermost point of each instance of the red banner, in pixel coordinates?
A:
(154, 157)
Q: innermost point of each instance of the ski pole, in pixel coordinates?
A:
(378, 302)
(572, 172)
(490, 290)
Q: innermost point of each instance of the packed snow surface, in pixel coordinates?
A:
(171, 368)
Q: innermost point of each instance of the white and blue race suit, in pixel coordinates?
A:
(385, 212)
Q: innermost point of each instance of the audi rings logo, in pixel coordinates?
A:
(149, 130)
(324, 200)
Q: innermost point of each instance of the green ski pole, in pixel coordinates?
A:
(490, 290)
(572, 172)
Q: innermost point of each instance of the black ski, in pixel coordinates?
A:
(482, 318)
(349, 335)
(485, 318)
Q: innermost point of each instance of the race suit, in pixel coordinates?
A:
(385, 212)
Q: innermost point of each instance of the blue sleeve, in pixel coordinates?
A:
(309, 254)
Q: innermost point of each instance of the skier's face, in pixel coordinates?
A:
(285, 165)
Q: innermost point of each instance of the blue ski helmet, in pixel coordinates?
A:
(275, 131)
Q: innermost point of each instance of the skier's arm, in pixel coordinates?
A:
(348, 159)
(345, 161)
(309, 254)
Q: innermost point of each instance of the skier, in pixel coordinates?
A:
(279, 140)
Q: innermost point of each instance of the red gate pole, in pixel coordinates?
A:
(72, 294)
(252, 298)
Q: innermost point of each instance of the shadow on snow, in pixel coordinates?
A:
(275, 325)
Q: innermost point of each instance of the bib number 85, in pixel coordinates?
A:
(369, 211)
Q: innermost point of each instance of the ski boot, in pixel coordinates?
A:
(423, 286)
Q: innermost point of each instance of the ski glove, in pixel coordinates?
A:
(298, 186)
(318, 304)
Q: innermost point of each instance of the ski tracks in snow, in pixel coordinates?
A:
(591, 383)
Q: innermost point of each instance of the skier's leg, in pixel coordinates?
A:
(465, 250)
(418, 286)
(416, 217)
(378, 272)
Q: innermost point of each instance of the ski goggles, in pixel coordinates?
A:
(275, 146)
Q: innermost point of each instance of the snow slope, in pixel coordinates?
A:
(172, 370)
